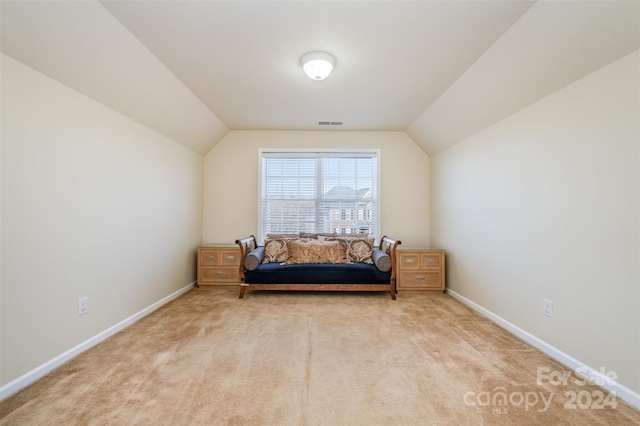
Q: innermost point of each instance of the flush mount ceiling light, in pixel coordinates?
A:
(317, 65)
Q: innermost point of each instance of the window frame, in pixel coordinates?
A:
(315, 153)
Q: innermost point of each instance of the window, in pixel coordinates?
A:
(303, 191)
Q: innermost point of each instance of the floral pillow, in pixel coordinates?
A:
(359, 250)
(279, 236)
(275, 250)
(301, 251)
(317, 235)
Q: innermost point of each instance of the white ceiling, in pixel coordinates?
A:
(440, 70)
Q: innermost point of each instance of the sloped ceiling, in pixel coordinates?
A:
(83, 46)
(552, 45)
(439, 70)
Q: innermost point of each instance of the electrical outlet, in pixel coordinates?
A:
(83, 305)
(547, 307)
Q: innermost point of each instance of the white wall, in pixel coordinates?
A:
(545, 204)
(93, 204)
(231, 181)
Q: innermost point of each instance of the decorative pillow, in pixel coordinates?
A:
(360, 235)
(328, 237)
(316, 236)
(254, 258)
(381, 259)
(358, 250)
(275, 250)
(315, 252)
(280, 236)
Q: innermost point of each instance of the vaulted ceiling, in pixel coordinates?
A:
(439, 70)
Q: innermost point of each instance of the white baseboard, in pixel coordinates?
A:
(621, 392)
(44, 369)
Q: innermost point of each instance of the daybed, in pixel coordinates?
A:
(323, 263)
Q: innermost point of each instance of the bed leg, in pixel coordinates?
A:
(241, 292)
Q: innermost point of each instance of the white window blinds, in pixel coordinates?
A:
(318, 192)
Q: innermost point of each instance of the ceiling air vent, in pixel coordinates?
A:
(330, 123)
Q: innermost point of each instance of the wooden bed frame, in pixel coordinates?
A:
(386, 244)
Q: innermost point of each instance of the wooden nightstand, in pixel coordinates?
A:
(420, 269)
(218, 265)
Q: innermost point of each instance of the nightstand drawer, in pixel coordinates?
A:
(409, 261)
(218, 257)
(218, 275)
(230, 258)
(431, 261)
(421, 280)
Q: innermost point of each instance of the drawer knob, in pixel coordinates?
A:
(209, 257)
(231, 257)
(408, 261)
(219, 273)
(420, 278)
(431, 261)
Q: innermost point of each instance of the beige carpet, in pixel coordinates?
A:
(311, 359)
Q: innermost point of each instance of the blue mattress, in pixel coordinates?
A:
(317, 273)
